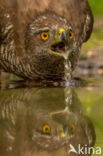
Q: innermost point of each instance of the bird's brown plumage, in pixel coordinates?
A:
(23, 12)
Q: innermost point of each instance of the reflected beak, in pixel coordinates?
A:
(63, 134)
(64, 131)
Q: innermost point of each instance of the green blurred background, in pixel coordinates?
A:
(97, 7)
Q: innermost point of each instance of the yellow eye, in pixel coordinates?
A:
(73, 128)
(46, 129)
(44, 36)
(71, 35)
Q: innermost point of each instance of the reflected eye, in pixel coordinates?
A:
(71, 35)
(73, 128)
(46, 129)
(44, 36)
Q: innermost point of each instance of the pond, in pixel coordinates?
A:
(46, 119)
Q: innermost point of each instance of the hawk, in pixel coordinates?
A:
(42, 39)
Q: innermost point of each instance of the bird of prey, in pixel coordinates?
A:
(42, 39)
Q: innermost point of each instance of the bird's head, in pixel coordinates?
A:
(49, 40)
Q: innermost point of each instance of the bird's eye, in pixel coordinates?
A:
(46, 129)
(72, 128)
(44, 36)
(71, 35)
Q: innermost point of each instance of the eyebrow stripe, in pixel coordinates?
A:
(41, 30)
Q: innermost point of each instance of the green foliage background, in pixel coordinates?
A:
(96, 40)
(97, 7)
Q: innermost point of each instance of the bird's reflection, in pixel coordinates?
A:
(42, 122)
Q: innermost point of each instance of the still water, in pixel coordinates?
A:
(50, 120)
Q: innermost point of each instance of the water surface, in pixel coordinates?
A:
(45, 118)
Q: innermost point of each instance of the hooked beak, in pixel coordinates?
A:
(60, 47)
(63, 37)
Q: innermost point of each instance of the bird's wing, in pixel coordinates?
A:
(89, 20)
